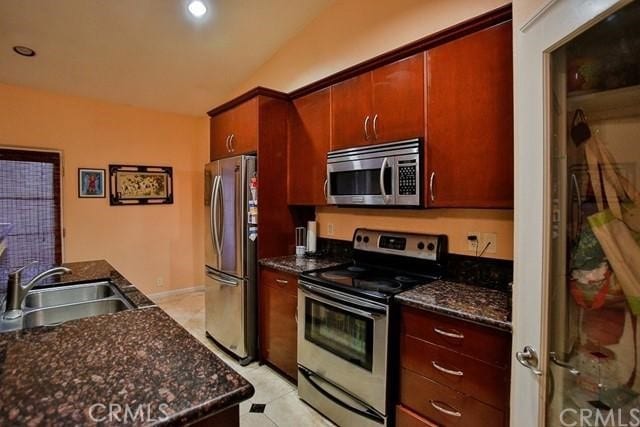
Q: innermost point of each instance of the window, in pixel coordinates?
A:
(30, 202)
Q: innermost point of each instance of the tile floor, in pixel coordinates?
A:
(283, 408)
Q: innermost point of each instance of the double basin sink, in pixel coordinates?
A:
(52, 306)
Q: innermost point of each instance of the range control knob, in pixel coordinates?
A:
(421, 245)
(431, 246)
(366, 239)
(358, 238)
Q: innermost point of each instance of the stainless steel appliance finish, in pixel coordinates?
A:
(383, 175)
(58, 304)
(344, 315)
(230, 256)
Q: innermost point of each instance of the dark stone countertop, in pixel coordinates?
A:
(294, 265)
(5, 228)
(53, 375)
(490, 307)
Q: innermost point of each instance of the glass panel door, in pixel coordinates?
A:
(594, 264)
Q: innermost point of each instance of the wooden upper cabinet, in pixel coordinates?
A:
(309, 139)
(351, 117)
(235, 131)
(469, 159)
(398, 100)
(383, 105)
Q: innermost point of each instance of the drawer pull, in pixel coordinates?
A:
(445, 370)
(438, 407)
(282, 281)
(453, 334)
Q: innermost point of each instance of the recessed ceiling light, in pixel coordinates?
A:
(24, 51)
(197, 8)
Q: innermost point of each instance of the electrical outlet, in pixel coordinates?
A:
(330, 230)
(473, 244)
(492, 240)
(160, 282)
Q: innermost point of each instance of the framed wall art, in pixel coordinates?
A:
(91, 183)
(136, 185)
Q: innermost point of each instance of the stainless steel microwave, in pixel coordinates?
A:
(376, 175)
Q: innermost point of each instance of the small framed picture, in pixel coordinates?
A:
(91, 183)
(140, 185)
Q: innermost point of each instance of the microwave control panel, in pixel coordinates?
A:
(407, 179)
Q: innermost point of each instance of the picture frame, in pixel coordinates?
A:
(91, 183)
(140, 185)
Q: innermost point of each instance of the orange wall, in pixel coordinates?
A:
(144, 242)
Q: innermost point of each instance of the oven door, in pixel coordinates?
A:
(343, 339)
(361, 182)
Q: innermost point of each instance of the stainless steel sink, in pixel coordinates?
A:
(61, 295)
(52, 306)
(55, 315)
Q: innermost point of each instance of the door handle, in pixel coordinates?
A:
(445, 370)
(220, 197)
(325, 188)
(375, 127)
(213, 224)
(233, 135)
(529, 359)
(227, 143)
(282, 281)
(366, 128)
(438, 406)
(224, 281)
(383, 169)
(554, 358)
(432, 193)
(449, 334)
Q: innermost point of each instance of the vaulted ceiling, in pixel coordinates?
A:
(148, 53)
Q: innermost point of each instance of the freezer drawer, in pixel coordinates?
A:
(225, 311)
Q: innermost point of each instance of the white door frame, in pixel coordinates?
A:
(549, 28)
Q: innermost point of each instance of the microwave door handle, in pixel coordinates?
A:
(213, 223)
(383, 169)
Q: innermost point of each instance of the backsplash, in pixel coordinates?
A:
(485, 272)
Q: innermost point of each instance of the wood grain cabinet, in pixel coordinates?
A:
(383, 105)
(309, 139)
(278, 321)
(469, 161)
(452, 372)
(235, 131)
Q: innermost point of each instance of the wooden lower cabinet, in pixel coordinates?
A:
(278, 326)
(448, 377)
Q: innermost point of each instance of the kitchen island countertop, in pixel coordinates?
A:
(138, 359)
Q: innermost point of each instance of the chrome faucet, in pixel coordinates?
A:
(16, 291)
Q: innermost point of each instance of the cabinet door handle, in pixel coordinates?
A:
(445, 370)
(226, 143)
(438, 406)
(282, 281)
(375, 127)
(233, 135)
(325, 188)
(432, 193)
(366, 128)
(449, 334)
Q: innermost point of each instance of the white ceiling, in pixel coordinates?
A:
(148, 53)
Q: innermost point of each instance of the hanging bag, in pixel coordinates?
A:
(614, 226)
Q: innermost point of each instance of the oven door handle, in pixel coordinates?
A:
(362, 410)
(363, 305)
(353, 310)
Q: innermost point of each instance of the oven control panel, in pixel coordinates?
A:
(424, 246)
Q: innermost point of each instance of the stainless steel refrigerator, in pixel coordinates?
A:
(230, 255)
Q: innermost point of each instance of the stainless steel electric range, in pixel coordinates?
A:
(346, 315)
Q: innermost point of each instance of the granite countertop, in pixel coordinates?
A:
(294, 265)
(53, 375)
(490, 307)
(5, 228)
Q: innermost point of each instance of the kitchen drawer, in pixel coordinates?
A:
(287, 282)
(445, 406)
(479, 342)
(406, 418)
(487, 383)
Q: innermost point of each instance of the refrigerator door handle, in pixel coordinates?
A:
(212, 220)
(220, 227)
(232, 283)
